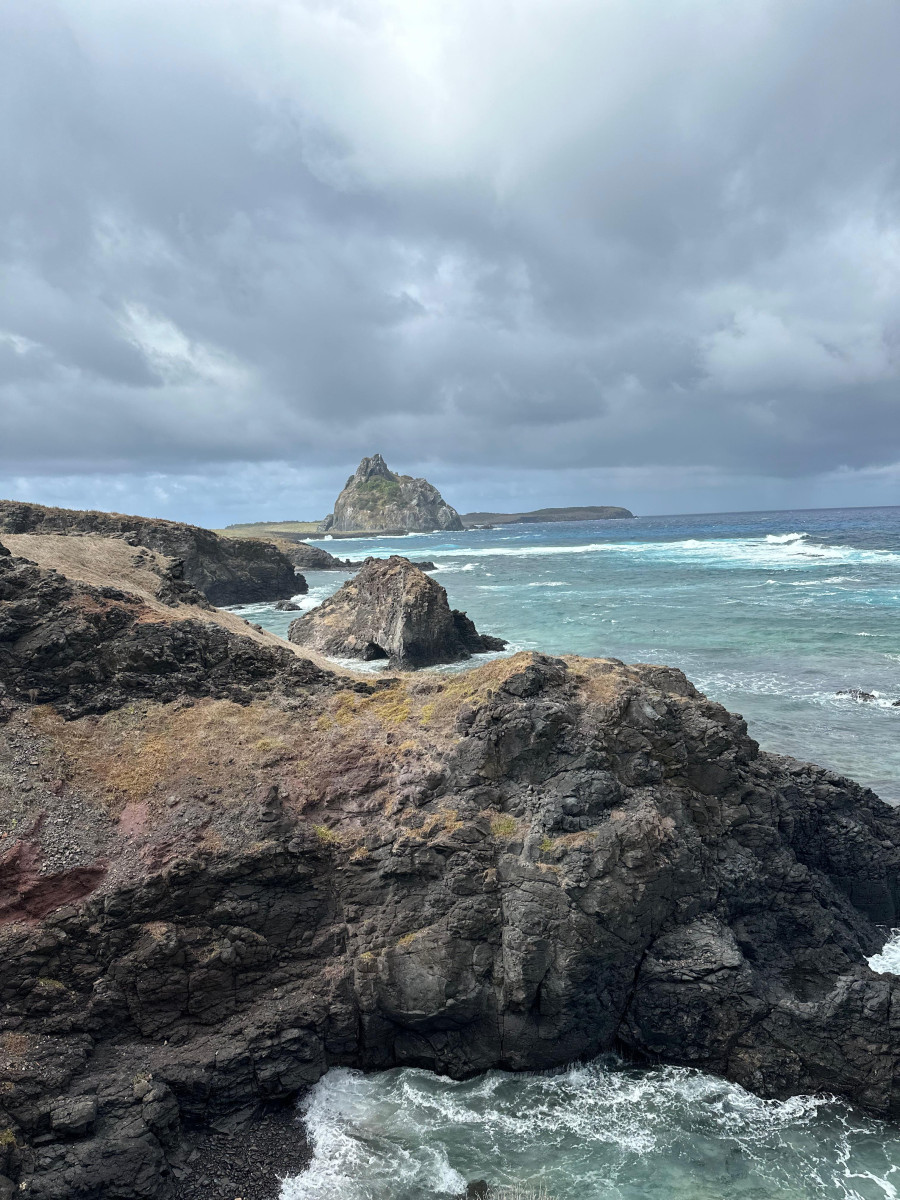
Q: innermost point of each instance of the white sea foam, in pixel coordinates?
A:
(595, 1129)
(887, 960)
(771, 552)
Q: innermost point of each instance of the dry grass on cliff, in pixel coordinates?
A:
(217, 746)
(92, 559)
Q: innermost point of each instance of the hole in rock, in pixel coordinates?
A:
(373, 650)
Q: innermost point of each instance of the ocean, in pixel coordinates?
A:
(786, 617)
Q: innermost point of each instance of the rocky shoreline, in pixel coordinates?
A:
(225, 869)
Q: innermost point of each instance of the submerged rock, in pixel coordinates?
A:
(856, 694)
(391, 610)
(377, 500)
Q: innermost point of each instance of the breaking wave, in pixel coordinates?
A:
(772, 551)
(600, 1131)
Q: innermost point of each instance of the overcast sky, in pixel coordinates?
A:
(640, 252)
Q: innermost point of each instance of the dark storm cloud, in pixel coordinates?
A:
(563, 234)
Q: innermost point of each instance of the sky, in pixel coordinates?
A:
(544, 252)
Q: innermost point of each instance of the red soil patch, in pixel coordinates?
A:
(26, 895)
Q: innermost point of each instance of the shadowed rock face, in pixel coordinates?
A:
(375, 499)
(391, 610)
(536, 860)
(225, 570)
(93, 649)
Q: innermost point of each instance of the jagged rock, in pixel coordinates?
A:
(225, 570)
(287, 606)
(856, 694)
(377, 500)
(391, 610)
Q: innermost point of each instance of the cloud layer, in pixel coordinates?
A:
(543, 238)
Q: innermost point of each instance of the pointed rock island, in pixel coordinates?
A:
(392, 610)
(375, 500)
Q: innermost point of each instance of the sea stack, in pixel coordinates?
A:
(391, 610)
(375, 500)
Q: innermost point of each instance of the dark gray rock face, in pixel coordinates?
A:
(391, 610)
(92, 649)
(595, 860)
(225, 570)
(375, 499)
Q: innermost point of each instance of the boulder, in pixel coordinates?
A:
(391, 610)
(287, 606)
(375, 499)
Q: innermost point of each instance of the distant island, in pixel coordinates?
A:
(376, 500)
(591, 512)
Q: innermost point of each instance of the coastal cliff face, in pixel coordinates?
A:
(207, 901)
(375, 499)
(225, 570)
(391, 610)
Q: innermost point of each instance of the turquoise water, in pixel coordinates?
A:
(770, 613)
(596, 1131)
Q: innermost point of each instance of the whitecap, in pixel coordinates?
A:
(887, 960)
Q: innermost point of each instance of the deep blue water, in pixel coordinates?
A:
(770, 613)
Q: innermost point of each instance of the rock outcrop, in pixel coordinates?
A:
(90, 649)
(225, 570)
(314, 558)
(376, 500)
(205, 904)
(391, 610)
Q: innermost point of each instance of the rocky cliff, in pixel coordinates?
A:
(391, 610)
(377, 500)
(225, 570)
(206, 902)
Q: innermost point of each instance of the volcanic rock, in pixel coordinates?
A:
(314, 558)
(514, 867)
(391, 610)
(225, 570)
(93, 649)
(377, 500)
(287, 606)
